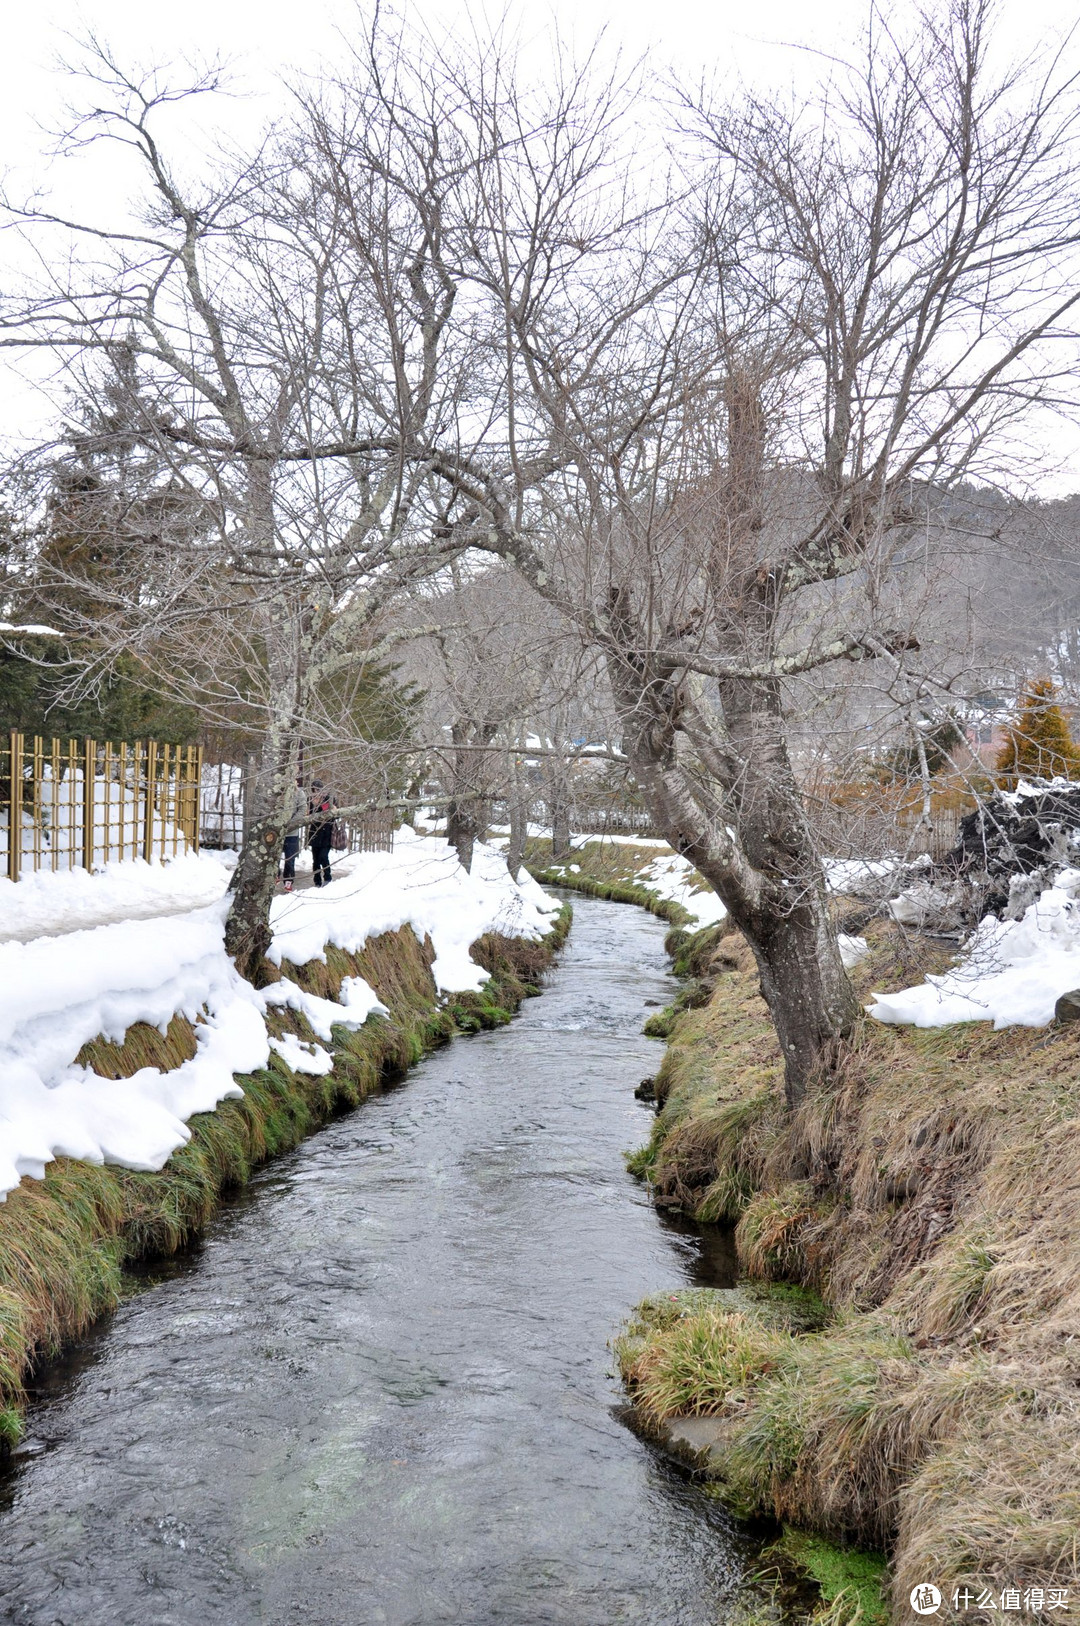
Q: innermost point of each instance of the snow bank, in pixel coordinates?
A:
(62, 901)
(422, 885)
(57, 993)
(1012, 973)
(675, 879)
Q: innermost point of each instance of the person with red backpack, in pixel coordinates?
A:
(321, 831)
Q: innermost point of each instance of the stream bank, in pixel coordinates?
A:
(66, 1240)
(929, 1198)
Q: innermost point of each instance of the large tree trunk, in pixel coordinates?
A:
(467, 814)
(806, 988)
(748, 835)
(247, 928)
(559, 809)
(462, 829)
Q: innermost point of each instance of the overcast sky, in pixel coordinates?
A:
(768, 43)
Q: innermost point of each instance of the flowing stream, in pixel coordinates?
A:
(379, 1389)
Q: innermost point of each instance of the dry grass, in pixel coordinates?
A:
(682, 1361)
(932, 1194)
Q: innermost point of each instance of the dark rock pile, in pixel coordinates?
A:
(1014, 840)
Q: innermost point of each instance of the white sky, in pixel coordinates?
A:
(264, 39)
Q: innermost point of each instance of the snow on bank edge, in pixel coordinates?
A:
(57, 993)
(1012, 972)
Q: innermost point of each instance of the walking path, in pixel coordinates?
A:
(54, 905)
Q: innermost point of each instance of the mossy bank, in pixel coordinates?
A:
(65, 1240)
(604, 869)
(930, 1197)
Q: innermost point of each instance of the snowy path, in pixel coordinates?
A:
(48, 905)
(107, 917)
(52, 905)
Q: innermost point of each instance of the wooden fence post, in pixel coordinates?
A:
(88, 764)
(196, 831)
(148, 805)
(15, 807)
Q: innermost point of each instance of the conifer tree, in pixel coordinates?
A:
(1039, 744)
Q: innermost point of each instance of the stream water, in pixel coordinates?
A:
(379, 1389)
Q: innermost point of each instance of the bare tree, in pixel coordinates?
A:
(270, 341)
(723, 412)
(509, 700)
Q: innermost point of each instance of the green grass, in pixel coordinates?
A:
(850, 1579)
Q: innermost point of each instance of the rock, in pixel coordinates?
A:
(1067, 1008)
(697, 1440)
(646, 1090)
(1013, 834)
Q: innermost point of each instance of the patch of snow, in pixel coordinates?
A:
(46, 902)
(852, 949)
(921, 904)
(301, 1057)
(1025, 788)
(59, 992)
(859, 877)
(1012, 972)
(674, 878)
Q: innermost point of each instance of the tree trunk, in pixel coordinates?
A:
(803, 980)
(247, 929)
(519, 827)
(461, 830)
(748, 836)
(560, 828)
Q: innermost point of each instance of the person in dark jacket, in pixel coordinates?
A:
(321, 831)
(292, 840)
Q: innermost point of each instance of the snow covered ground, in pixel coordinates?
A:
(1012, 971)
(58, 992)
(675, 879)
(45, 903)
(861, 877)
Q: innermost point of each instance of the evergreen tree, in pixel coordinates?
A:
(112, 505)
(1039, 744)
(942, 739)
